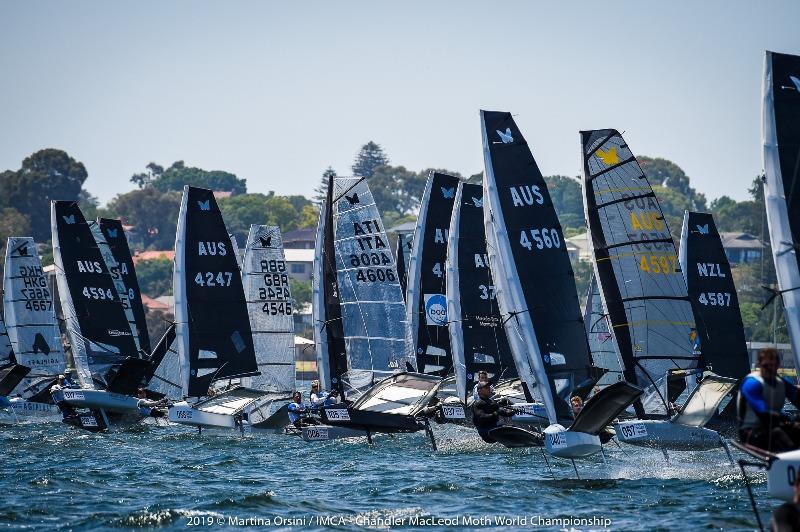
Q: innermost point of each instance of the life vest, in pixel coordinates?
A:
(774, 396)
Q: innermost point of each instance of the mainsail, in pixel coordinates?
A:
(214, 337)
(531, 268)
(97, 326)
(636, 266)
(780, 132)
(364, 310)
(324, 300)
(601, 341)
(269, 302)
(709, 281)
(426, 305)
(114, 234)
(29, 314)
(478, 338)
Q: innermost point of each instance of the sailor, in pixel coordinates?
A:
(577, 404)
(296, 410)
(66, 409)
(482, 377)
(762, 422)
(68, 380)
(786, 517)
(317, 397)
(61, 383)
(486, 411)
(332, 399)
(147, 407)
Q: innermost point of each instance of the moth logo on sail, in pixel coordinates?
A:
(609, 157)
(112, 233)
(435, 309)
(478, 202)
(709, 269)
(211, 248)
(526, 195)
(204, 205)
(89, 266)
(265, 242)
(448, 193)
(69, 219)
(507, 137)
(796, 82)
(22, 250)
(702, 229)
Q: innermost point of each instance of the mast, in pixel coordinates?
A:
(213, 331)
(709, 281)
(532, 271)
(426, 305)
(477, 336)
(780, 133)
(269, 303)
(117, 241)
(30, 315)
(96, 323)
(636, 267)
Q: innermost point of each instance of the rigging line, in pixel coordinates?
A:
(655, 386)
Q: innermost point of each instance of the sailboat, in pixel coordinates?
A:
(213, 333)
(477, 335)
(32, 329)
(641, 284)
(780, 135)
(11, 374)
(536, 292)
(601, 342)
(109, 364)
(269, 303)
(360, 321)
(426, 304)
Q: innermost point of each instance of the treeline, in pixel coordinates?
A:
(152, 210)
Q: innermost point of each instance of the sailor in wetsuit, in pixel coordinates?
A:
(147, 407)
(761, 398)
(297, 410)
(486, 411)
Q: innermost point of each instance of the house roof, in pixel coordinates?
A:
(223, 194)
(308, 234)
(739, 240)
(154, 304)
(299, 255)
(152, 255)
(407, 227)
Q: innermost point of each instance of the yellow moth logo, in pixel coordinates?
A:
(609, 156)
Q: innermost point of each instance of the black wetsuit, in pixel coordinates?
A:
(486, 416)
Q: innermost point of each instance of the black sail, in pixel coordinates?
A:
(402, 272)
(118, 242)
(213, 327)
(547, 311)
(479, 341)
(709, 281)
(426, 305)
(96, 322)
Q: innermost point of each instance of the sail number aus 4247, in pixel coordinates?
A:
(717, 299)
(213, 278)
(539, 238)
(658, 263)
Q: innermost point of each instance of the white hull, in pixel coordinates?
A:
(98, 400)
(667, 435)
(184, 414)
(28, 411)
(563, 443)
(315, 433)
(781, 475)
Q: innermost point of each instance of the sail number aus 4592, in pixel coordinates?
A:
(717, 299)
(539, 238)
(658, 263)
(213, 278)
(91, 292)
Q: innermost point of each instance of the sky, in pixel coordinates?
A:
(275, 92)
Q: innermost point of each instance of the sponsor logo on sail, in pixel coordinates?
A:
(435, 309)
(506, 137)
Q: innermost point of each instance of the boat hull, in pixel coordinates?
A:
(782, 475)
(24, 411)
(98, 400)
(184, 414)
(662, 434)
(563, 443)
(318, 433)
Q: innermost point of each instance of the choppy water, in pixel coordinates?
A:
(53, 476)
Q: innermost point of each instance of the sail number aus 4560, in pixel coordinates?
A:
(717, 299)
(213, 278)
(658, 263)
(539, 238)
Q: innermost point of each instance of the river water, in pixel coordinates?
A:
(147, 477)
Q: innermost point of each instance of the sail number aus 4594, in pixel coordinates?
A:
(717, 299)
(213, 278)
(539, 238)
(91, 292)
(658, 263)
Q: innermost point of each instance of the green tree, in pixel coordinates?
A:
(144, 179)
(321, 192)
(176, 176)
(667, 174)
(46, 175)
(369, 158)
(309, 217)
(154, 215)
(244, 210)
(155, 277)
(301, 292)
(89, 205)
(565, 192)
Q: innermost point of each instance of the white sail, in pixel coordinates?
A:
(29, 313)
(269, 304)
(318, 304)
